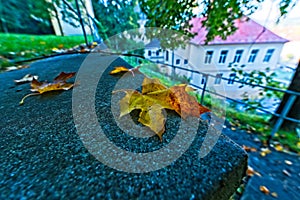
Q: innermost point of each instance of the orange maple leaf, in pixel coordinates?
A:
(59, 83)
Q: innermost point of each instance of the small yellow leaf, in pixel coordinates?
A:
(118, 70)
(278, 147)
(265, 151)
(264, 189)
(274, 194)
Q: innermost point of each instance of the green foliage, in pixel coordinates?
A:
(261, 78)
(168, 14)
(16, 47)
(285, 6)
(115, 16)
(253, 123)
(220, 15)
(26, 16)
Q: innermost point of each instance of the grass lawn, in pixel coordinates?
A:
(17, 47)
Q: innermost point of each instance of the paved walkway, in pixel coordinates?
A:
(43, 155)
(280, 172)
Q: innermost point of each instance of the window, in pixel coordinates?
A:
(149, 53)
(237, 57)
(253, 55)
(167, 55)
(218, 78)
(204, 79)
(157, 52)
(231, 78)
(185, 61)
(177, 61)
(268, 55)
(223, 56)
(208, 57)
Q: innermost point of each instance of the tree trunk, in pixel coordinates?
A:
(294, 112)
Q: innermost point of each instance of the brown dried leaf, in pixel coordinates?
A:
(249, 149)
(59, 83)
(264, 189)
(251, 172)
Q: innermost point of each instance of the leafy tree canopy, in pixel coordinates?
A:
(220, 14)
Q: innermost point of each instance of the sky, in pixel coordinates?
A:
(288, 27)
(268, 13)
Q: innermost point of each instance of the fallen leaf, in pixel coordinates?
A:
(288, 162)
(119, 69)
(274, 194)
(285, 172)
(265, 151)
(251, 172)
(278, 147)
(249, 149)
(26, 78)
(12, 68)
(264, 189)
(185, 104)
(59, 83)
(154, 98)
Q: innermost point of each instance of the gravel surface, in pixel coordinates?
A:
(42, 156)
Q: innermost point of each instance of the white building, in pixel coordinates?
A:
(251, 47)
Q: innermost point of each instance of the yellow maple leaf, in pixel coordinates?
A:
(154, 118)
(151, 85)
(154, 98)
(59, 83)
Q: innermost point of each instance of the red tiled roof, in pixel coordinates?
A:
(248, 32)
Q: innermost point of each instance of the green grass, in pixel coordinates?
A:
(18, 47)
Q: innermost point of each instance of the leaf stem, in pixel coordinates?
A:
(28, 95)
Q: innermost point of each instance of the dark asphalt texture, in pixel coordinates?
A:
(271, 167)
(43, 157)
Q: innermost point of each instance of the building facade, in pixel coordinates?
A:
(251, 47)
